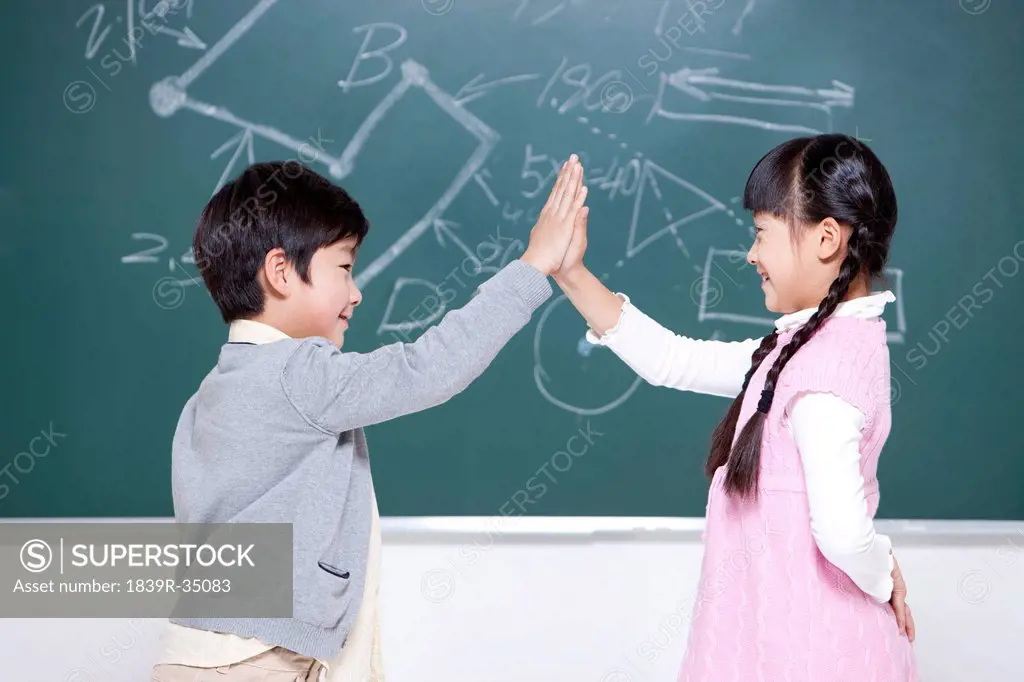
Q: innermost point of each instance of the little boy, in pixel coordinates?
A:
(275, 431)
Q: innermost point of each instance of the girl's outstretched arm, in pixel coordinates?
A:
(595, 302)
(660, 356)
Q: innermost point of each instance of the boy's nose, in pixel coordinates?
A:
(751, 258)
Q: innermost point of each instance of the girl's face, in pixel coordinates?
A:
(796, 266)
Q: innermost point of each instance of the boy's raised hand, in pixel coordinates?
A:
(551, 236)
(573, 259)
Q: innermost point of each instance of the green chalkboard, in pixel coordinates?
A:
(446, 119)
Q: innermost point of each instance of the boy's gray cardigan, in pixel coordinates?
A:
(275, 434)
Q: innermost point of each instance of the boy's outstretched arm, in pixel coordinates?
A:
(339, 391)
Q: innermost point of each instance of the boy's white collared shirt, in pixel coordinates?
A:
(359, 659)
(251, 331)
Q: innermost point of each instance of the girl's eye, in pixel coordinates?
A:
(347, 267)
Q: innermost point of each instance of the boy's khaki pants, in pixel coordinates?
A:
(276, 665)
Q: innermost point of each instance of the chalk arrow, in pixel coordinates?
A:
(445, 229)
(244, 142)
(705, 84)
(683, 80)
(474, 89)
(186, 37)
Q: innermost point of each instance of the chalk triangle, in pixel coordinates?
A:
(664, 204)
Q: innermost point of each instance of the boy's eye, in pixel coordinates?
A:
(347, 266)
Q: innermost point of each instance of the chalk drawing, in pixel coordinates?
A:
(704, 205)
(153, 21)
(381, 53)
(717, 53)
(475, 89)
(481, 179)
(146, 255)
(243, 140)
(170, 95)
(408, 325)
(543, 380)
(96, 37)
(705, 85)
(553, 10)
(738, 26)
(609, 93)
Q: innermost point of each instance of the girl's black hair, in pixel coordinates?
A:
(807, 180)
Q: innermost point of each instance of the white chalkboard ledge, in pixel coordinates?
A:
(617, 528)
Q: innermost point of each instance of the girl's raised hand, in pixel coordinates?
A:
(553, 232)
(573, 259)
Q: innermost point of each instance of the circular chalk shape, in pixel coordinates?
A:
(166, 97)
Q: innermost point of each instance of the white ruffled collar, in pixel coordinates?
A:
(865, 306)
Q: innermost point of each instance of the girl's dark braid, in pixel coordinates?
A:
(721, 438)
(742, 475)
(766, 347)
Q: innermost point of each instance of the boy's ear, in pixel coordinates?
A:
(277, 272)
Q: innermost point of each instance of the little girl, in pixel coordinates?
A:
(795, 583)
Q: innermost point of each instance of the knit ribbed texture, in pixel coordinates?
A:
(770, 607)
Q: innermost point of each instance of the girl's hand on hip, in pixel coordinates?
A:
(900, 607)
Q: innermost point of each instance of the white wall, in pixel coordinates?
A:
(519, 606)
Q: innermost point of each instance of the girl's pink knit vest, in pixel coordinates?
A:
(770, 606)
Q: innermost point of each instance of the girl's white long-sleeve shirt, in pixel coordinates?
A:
(825, 428)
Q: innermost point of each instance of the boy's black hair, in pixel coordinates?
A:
(269, 205)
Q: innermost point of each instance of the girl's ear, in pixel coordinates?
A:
(829, 239)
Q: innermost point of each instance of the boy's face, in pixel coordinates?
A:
(324, 306)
